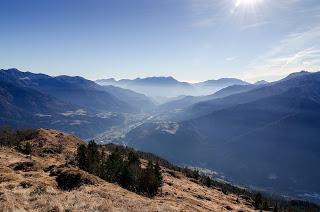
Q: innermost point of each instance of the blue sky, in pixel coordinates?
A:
(191, 40)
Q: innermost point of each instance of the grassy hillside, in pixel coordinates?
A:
(40, 171)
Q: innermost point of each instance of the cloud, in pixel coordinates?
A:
(297, 51)
(231, 58)
(256, 25)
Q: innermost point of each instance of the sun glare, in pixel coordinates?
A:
(239, 3)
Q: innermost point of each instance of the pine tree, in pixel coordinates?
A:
(28, 149)
(146, 180)
(7, 137)
(157, 172)
(81, 157)
(135, 171)
(93, 157)
(275, 209)
(265, 205)
(258, 201)
(150, 181)
(207, 181)
(112, 167)
(126, 179)
(133, 158)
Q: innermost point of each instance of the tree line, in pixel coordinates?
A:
(15, 138)
(260, 200)
(125, 169)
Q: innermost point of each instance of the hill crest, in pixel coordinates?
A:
(31, 184)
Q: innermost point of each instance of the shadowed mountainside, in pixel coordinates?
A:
(64, 103)
(267, 137)
(78, 91)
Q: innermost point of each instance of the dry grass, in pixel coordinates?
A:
(35, 190)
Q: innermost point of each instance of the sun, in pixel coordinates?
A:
(239, 3)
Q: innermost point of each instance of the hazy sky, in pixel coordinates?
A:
(191, 40)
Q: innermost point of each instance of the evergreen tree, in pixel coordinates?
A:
(149, 182)
(81, 157)
(275, 209)
(120, 167)
(257, 201)
(146, 180)
(135, 170)
(93, 157)
(157, 172)
(112, 167)
(265, 205)
(27, 149)
(133, 158)
(126, 179)
(207, 181)
(7, 137)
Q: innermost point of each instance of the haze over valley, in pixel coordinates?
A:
(248, 134)
(160, 105)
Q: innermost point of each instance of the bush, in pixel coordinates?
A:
(7, 137)
(26, 134)
(26, 149)
(13, 138)
(39, 190)
(25, 184)
(24, 166)
(70, 179)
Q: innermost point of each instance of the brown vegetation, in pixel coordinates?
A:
(32, 184)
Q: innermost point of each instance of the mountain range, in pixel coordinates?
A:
(266, 136)
(64, 102)
(183, 103)
(158, 87)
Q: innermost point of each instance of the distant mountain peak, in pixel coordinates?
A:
(106, 80)
(141, 79)
(160, 79)
(14, 72)
(9, 69)
(297, 74)
(157, 77)
(224, 81)
(69, 77)
(261, 82)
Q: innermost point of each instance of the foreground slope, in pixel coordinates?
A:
(30, 185)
